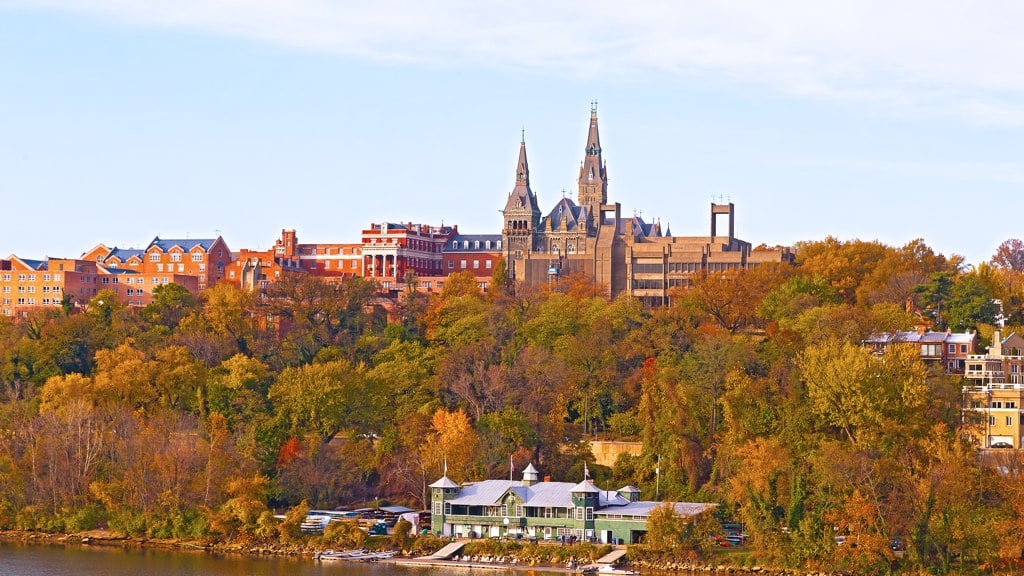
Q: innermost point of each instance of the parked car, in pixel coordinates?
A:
(1001, 445)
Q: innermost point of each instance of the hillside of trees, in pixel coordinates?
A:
(196, 415)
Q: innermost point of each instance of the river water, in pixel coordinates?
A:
(59, 560)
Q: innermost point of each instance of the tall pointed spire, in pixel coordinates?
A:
(593, 137)
(521, 213)
(523, 169)
(593, 182)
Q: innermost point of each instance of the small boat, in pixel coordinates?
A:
(609, 569)
(342, 555)
(598, 569)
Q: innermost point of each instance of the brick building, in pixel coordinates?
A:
(33, 284)
(478, 253)
(333, 262)
(623, 255)
(948, 350)
(390, 251)
(193, 263)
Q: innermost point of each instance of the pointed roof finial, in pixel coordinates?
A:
(523, 140)
(593, 106)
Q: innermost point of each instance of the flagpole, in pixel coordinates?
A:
(657, 479)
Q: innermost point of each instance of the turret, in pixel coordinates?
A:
(441, 491)
(522, 216)
(530, 475)
(593, 181)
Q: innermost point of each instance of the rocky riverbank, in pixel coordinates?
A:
(111, 539)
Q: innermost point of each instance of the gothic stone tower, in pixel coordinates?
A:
(593, 182)
(522, 217)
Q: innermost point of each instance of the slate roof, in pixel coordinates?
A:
(644, 508)
(641, 229)
(567, 210)
(187, 244)
(34, 264)
(915, 338)
(610, 498)
(956, 338)
(558, 495)
(444, 482)
(111, 270)
(488, 492)
(123, 254)
(472, 239)
(586, 486)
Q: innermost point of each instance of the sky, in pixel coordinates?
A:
(121, 120)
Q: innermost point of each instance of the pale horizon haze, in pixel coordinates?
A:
(122, 120)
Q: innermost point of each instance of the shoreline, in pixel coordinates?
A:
(103, 538)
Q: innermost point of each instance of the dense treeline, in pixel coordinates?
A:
(195, 416)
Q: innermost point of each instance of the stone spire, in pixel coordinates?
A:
(593, 182)
(521, 213)
(523, 170)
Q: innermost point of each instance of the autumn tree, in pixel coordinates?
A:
(452, 443)
(1010, 255)
(323, 399)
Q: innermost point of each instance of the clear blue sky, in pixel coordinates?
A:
(123, 119)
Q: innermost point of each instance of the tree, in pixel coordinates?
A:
(227, 311)
(871, 400)
(675, 537)
(970, 303)
(1010, 255)
(451, 442)
(171, 302)
(323, 399)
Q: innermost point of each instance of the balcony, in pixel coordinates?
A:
(989, 375)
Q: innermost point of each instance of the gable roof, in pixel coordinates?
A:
(28, 263)
(566, 210)
(187, 244)
(123, 254)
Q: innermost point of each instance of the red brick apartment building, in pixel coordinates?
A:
(478, 253)
(386, 253)
(192, 263)
(390, 251)
(31, 284)
(331, 262)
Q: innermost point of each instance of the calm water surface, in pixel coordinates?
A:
(54, 560)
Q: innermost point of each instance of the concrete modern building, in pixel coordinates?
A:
(530, 508)
(622, 255)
